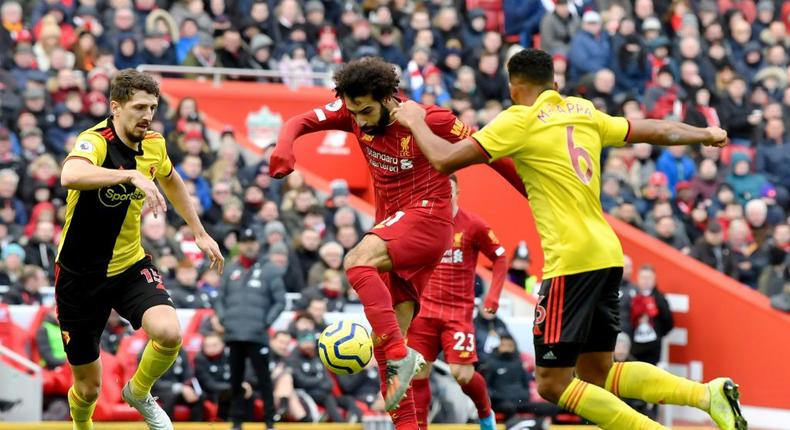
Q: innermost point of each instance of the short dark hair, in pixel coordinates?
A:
(647, 268)
(533, 66)
(454, 178)
(127, 81)
(367, 76)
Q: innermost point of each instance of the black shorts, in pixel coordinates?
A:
(575, 314)
(84, 303)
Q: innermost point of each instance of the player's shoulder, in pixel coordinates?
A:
(153, 135)
(473, 220)
(96, 136)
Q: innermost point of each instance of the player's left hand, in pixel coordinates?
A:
(490, 305)
(718, 137)
(408, 113)
(210, 247)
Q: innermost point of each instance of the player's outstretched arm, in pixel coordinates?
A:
(444, 156)
(670, 133)
(177, 193)
(493, 249)
(329, 117)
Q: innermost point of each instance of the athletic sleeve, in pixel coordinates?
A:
(89, 146)
(331, 116)
(613, 129)
(501, 137)
(444, 124)
(486, 242)
(165, 165)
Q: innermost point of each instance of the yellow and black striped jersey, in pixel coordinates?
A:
(101, 234)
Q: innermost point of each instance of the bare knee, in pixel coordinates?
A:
(425, 372)
(553, 382)
(462, 373)
(88, 389)
(166, 335)
(371, 251)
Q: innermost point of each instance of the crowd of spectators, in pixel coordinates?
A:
(706, 63)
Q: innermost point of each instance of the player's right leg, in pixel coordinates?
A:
(84, 393)
(363, 264)
(424, 336)
(563, 318)
(82, 314)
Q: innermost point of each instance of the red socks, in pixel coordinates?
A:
(404, 417)
(376, 299)
(477, 390)
(422, 400)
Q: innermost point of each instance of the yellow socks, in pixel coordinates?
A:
(81, 411)
(643, 381)
(155, 362)
(603, 408)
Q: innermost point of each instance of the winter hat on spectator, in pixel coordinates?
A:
(87, 10)
(313, 6)
(591, 16)
(97, 73)
(13, 248)
(278, 248)
(776, 73)
(366, 51)
(713, 227)
(522, 251)
(339, 187)
(651, 23)
(658, 179)
(658, 42)
(682, 185)
(351, 6)
(274, 227)
(193, 134)
(476, 13)
(248, 235)
(260, 41)
(708, 6)
(738, 157)
(765, 6)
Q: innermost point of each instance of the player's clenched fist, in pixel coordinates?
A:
(281, 163)
(718, 137)
(408, 113)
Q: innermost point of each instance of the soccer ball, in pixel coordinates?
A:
(345, 347)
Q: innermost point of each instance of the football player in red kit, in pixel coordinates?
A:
(447, 304)
(413, 213)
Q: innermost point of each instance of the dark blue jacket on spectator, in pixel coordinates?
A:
(393, 54)
(588, 54)
(773, 161)
(632, 70)
(168, 57)
(676, 169)
(522, 17)
(130, 61)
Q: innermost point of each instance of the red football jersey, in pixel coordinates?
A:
(450, 294)
(402, 177)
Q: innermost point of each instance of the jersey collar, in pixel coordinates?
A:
(117, 140)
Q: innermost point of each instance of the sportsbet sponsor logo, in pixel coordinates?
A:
(117, 194)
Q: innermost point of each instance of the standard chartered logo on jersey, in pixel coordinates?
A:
(117, 194)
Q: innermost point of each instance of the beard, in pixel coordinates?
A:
(136, 134)
(384, 121)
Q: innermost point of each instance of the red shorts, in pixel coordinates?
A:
(429, 335)
(416, 241)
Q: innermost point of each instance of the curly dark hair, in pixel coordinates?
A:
(127, 81)
(367, 76)
(533, 66)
